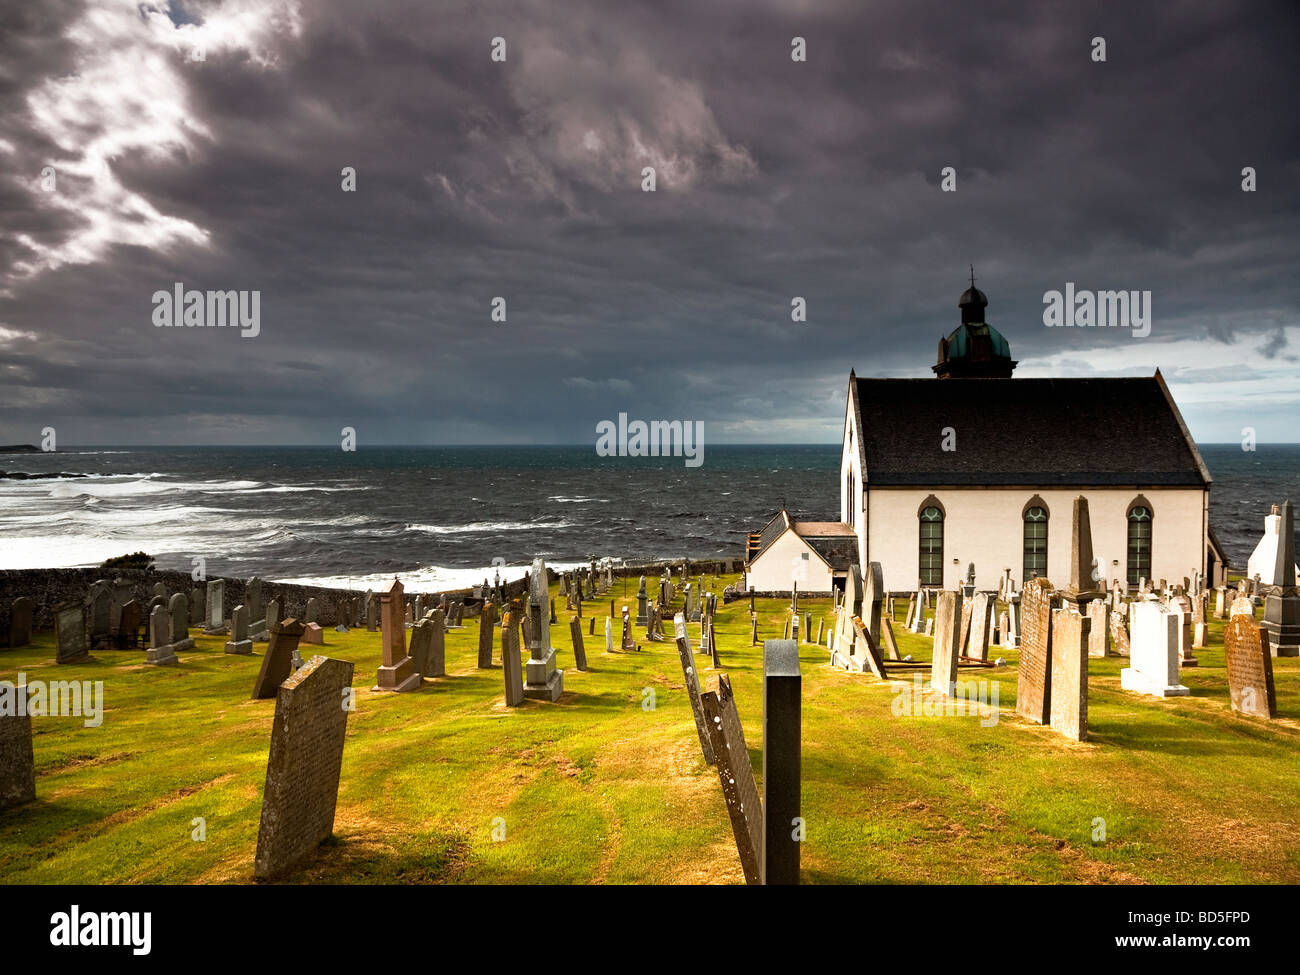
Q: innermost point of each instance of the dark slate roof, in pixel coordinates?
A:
(839, 551)
(1075, 432)
(772, 531)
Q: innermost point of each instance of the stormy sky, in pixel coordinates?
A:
(204, 143)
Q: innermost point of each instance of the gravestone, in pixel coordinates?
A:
(736, 773)
(579, 650)
(629, 642)
(179, 610)
(99, 604)
(121, 594)
(17, 760)
(947, 624)
(239, 641)
(421, 639)
(1220, 602)
(302, 769)
(1098, 629)
(312, 615)
(868, 656)
(160, 652)
(782, 748)
(253, 600)
(1034, 684)
(609, 634)
(874, 584)
(312, 635)
(967, 611)
(198, 607)
(1069, 697)
(641, 603)
(1282, 604)
(1154, 652)
(1119, 634)
(128, 625)
(277, 664)
(1250, 668)
(70, 632)
(372, 611)
(510, 661)
(887, 631)
(216, 606)
(20, 622)
(978, 643)
(692, 678)
(543, 681)
(1084, 571)
(397, 673)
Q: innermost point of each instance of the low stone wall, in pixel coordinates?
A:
(729, 597)
(50, 587)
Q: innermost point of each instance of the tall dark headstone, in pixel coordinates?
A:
(579, 650)
(1282, 605)
(277, 664)
(70, 632)
(782, 820)
(487, 622)
(20, 622)
(302, 769)
(510, 663)
(1083, 587)
(397, 672)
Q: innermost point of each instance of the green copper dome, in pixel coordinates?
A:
(959, 340)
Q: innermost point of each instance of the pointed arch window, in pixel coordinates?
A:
(1035, 547)
(931, 545)
(1139, 542)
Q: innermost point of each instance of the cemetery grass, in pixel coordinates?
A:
(602, 788)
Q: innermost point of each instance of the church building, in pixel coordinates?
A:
(975, 466)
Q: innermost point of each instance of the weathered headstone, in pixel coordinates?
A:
(20, 622)
(1034, 683)
(1250, 668)
(312, 614)
(99, 604)
(736, 773)
(160, 652)
(511, 665)
(253, 600)
(179, 610)
(239, 641)
(313, 635)
(303, 765)
(397, 673)
(216, 606)
(277, 664)
(1119, 633)
(543, 681)
(17, 761)
(1084, 572)
(128, 625)
(70, 632)
(579, 650)
(1098, 629)
(874, 583)
(947, 631)
(977, 645)
(1069, 698)
(692, 678)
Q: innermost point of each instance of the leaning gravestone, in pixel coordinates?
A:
(1034, 684)
(947, 624)
(874, 581)
(1154, 652)
(1069, 698)
(302, 770)
(17, 765)
(693, 692)
(736, 774)
(978, 642)
(239, 641)
(70, 632)
(1250, 668)
(277, 664)
(99, 611)
(421, 638)
(510, 664)
(579, 650)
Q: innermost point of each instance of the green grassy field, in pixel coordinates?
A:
(597, 788)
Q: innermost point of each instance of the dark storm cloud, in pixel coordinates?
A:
(478, 179)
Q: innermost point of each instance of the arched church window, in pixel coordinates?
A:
(1035, 534)
(931, 532)
(1139, 544)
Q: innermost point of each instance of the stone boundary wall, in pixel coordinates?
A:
(731, 597)
(50, 587)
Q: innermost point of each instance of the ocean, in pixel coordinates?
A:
(449, 516)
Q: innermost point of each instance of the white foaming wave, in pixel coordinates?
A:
(560, 499)
(433, 578)
(480, 527)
